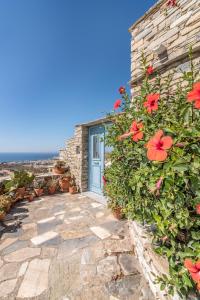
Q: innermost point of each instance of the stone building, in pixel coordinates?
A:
(164, 34)
(85, 155)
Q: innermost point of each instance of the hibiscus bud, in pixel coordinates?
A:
(180, 145)
(159, 183)
(150, 70)
(122, 90)
(104, 180)
(198, 209)
(164, 238)
(124, 136)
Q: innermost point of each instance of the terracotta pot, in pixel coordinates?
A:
(30, 197)
(8, 207)
(64, 185)
(20, 193)
(39, 192)
(52, 189)
(58, 171)
(117, 213)
(73, 189)
(2, 215)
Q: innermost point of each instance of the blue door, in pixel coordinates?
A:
(96, 158)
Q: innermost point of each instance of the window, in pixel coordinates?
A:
(96, 147)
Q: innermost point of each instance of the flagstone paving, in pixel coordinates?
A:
(68, 247)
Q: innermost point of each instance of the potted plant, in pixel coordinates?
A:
(59, 167)
(39, 187)
(117, 208)
(20, 180)
(2, 187)
(5, 204)
(52, 185)
(30, 195)
(2, 214)
(72, 185)
(64, 182)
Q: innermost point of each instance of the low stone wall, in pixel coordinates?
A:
(152, 264)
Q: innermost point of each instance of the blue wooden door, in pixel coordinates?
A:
(96, 158)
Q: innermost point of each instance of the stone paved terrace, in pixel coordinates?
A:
(68, 247)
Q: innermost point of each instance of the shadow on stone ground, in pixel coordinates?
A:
(68, 248)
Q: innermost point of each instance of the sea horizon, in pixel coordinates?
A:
(26, 156)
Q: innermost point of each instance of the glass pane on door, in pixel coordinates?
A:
(96, 147)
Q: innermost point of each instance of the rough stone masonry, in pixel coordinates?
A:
(164, 35)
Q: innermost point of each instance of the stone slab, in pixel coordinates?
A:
(9, 271)
(41, 239)
(100, 232)
(7, 287)
(46, 220)
(35, 281)
(96, 205)
(15, 246)
(7, 242)
(22, 269)
(129, 264)
(22, 254)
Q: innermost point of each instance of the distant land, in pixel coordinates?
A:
(20, 156)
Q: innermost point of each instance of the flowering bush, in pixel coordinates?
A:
(155, 170)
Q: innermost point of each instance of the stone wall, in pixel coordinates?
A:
(76, 156)
(165, 35)
(152, 264)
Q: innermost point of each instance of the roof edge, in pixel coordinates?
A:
(152, 9)
(94, 122)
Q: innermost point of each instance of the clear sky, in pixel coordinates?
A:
(61, 63)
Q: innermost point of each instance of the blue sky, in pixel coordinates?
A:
(61, 63)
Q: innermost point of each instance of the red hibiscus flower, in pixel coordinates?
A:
(150, 70)
(117, 104)
(137, 134)
(152, 102)
(157, 146)
(171, 3)
(122, 90)
(194, 95)
(198, 209)
(194, 270)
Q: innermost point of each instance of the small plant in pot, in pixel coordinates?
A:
(59, 168)
(52, 186)
(30, 195)
(72, 185)
(64, 182)
(39, 187)
(2, 187)
(20, 180)
(5, 204)
(2, 213)
(117, 208)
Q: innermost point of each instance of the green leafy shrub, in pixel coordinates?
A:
(19, 179)
(155, 169)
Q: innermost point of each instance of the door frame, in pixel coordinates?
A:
(102, 157)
